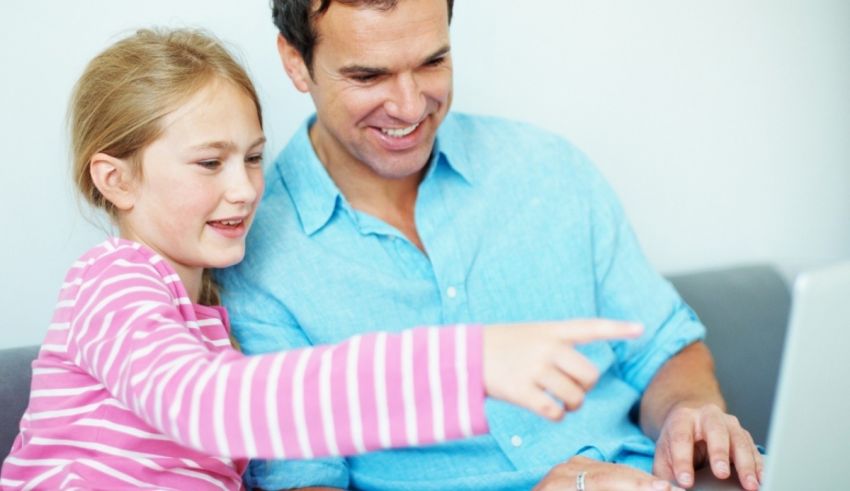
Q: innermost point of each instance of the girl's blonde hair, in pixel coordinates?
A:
(118, 104)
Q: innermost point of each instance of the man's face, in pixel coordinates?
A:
(382, 84)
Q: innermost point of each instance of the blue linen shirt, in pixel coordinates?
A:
(518, 225)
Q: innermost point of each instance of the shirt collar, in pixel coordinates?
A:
(315, 194)
(451, 150)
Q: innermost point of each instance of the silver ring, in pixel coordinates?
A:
(580, 481)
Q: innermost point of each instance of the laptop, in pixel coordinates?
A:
(808, 444)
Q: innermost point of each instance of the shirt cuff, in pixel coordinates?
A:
(667, 343)
(289, 474)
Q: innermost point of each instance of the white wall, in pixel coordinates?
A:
(724, 125)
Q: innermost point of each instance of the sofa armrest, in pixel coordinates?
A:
(15, 376)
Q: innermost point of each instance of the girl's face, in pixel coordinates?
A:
(200, 183)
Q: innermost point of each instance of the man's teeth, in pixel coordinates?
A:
(399, 132)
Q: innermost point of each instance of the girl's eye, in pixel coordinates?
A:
(254, 159)
(210, 164)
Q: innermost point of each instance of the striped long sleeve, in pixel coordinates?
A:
(135, 374)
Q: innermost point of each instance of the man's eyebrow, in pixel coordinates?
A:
(361, 70)
(438, 54)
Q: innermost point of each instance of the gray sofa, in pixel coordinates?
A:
(744, 308)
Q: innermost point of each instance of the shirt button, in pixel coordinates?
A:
(516, 441)
(451, 292)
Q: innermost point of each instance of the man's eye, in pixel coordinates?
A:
(209, 164)
(365, 78)
(437, 61)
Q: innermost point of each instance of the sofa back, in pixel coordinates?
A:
(745, 310)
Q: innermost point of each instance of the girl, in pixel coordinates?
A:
(137, 384)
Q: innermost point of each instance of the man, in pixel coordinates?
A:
(386, 211)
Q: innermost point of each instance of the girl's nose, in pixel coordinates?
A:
(241, 185)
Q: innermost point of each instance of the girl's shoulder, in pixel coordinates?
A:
(116, 256)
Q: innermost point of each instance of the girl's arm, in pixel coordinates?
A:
(374, 391)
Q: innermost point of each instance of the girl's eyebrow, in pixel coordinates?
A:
(226, 145)
(259, 141)
(218, 145)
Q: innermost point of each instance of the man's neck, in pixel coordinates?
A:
(391, 200)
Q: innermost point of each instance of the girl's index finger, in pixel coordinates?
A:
(589, 330)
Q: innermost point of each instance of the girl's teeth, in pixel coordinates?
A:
(399, 132)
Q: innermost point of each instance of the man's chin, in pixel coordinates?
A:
(400, 174)
(401, 167)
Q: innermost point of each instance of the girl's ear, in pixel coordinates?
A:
(114, 179)
(294, 65)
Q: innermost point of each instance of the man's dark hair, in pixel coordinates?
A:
(295, 19)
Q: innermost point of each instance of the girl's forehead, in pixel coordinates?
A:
(220, 112)
(209, 107)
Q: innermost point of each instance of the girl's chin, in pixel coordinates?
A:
(225, 260)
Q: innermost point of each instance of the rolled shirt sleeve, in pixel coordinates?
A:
(629, 288)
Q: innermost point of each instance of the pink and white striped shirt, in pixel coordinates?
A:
(136, 387)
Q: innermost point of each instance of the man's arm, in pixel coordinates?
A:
(686, 378)
(681, 405)
(684, 411)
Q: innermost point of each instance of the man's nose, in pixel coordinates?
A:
(406, 101)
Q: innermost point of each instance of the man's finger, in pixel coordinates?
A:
(662, 465)
(744, 457)
(624, 477)
(759, 465)
(717, 442)
(682, 451)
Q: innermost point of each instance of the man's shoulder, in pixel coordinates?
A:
(488, 126)
(482, 134)
(510, 145)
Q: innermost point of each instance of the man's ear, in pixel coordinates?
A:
(294, 64)
(115, 180)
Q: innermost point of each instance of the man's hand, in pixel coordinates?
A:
(684, 411)
(695, 435)
(600, 476)
(530, 363)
